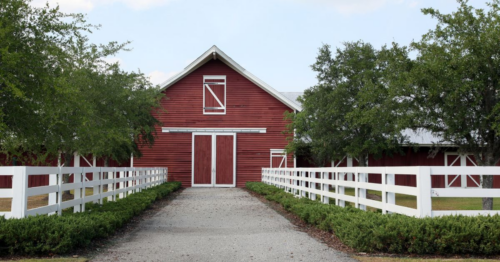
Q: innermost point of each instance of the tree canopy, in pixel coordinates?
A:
(59, 95)
(349, 112)
(453, 85)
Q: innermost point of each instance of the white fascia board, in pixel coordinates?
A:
(208, 55)
(212, 130)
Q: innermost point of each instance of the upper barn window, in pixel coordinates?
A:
(214, 95)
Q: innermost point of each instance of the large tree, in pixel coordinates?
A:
(59, 95)
(349, 112)
(455, 83)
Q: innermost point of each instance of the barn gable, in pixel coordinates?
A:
(214, 53)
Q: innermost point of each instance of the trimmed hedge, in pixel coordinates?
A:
(374, 232)
(61, 234)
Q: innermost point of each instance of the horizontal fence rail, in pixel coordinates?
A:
(105, 182)
(331, 183)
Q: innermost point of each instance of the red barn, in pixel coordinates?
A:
(222, 126)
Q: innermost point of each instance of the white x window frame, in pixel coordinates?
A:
(206, 86)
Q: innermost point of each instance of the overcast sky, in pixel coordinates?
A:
(276, 40)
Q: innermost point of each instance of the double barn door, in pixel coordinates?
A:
(214, 160)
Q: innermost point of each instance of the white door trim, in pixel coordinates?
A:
(214, 159)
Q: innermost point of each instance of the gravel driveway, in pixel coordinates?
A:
(218, 224)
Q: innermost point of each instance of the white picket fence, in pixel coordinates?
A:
(129, 181)
(319, 183)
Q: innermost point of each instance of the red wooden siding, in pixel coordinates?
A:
(248, 106)
(410, 157)
(224, 160)
(203, 159)
(276, 162)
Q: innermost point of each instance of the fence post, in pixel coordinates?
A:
(302, 184)
(111, 175)
(384, 192)
(122, 176)
(95, 177)
(60, 190)
(76, 192)
(325, 186)
(391, 196)
(52, 196)
(424, 198)
(19, 188)
(84, 189)
(362, 178)
(294, 182)
(101, 189)
(76, 179)
(340, 190)
(312, 185)
(287, 181)
(129, 183)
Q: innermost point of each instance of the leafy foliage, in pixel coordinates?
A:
(454, 81)
(374, 232)
(58, 94)
(45, 235)
(453, 86)
(349, 111)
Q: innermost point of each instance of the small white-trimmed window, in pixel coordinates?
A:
(278, 158)
(214, 95)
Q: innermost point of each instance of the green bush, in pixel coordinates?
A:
(374, 232)
(44, 234)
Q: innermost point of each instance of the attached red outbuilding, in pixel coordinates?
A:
(221, 127)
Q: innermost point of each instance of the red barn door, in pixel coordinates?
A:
(214, 160)
(224, 160)
(202, 159)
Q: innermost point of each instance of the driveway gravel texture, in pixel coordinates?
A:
(218, 224)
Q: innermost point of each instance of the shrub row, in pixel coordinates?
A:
(61, 234)
(370, 231)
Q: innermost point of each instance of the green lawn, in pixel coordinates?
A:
(40, 200)
(438, 203)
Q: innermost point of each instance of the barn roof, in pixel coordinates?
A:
(215, 53)
(292, 96)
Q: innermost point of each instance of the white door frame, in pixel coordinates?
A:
(214, 159)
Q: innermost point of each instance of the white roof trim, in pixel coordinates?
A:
(208, 55)
(212, 130)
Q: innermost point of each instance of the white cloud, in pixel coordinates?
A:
(348, 7)
(413, 4)
(158, 77)
(88, 5)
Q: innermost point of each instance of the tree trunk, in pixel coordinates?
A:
(363, 160)
(67, 163)
(488, 183)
